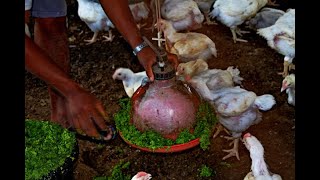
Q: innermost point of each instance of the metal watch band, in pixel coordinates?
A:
(140, 47)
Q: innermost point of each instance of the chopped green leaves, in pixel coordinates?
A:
(153, 140)
(47, 145)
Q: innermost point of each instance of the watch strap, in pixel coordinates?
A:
(138, 48)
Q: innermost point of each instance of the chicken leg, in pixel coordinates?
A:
(234, 150)
(218, 129)
(93, 39)
(272, 3)
(208, 20)
(287, 66)
(110, 37)
(236, 31)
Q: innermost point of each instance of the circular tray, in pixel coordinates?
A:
(166, 149)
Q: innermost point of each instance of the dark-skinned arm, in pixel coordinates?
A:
(84, 111)
(120, 14)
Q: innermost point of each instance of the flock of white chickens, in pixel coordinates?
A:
(236, 108)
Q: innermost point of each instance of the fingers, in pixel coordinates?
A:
(99, 121)
(84, 125)
(101, 110)
(110, 133)
(87, 125)
(150, 74)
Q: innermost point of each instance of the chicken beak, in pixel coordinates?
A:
(284, 86)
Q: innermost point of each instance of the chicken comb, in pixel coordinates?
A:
(141, 174)
(246, 135)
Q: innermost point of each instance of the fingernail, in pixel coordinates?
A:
(105, 133)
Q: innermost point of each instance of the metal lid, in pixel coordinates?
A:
(163, 69)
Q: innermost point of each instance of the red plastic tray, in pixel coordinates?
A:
(166, 149)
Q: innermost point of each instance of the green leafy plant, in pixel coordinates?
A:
(206, 171)
(151, 139)
(47, 146)
(117, 173)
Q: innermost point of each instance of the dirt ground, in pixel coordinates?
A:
(92, 67)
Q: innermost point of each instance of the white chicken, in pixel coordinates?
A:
(259, 168)
(205, 80)
(187, 46)
(288, 85)
(183, 14)
(92, 13)
(131, 81)
(142, 176)
(205, 7)
(140, 11)
(281, 37)
(237, 109)
(233, 13)
(264, 18)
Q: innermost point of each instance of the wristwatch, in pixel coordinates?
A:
(140, 47)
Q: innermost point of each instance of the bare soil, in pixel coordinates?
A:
(93, 65)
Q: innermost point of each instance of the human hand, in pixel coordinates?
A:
(147, 57)
(87, 116)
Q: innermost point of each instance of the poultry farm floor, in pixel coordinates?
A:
(92, 66)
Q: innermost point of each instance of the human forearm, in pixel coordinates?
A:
(40, 64)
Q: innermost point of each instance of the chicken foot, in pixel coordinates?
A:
(141, 25)
(287, 66)
(234, 150)
(110, 37)
(272, 3)
(208, 20)
(236, 31)
(93, 39)
(218, 129)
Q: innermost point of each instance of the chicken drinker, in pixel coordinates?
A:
(166, 105)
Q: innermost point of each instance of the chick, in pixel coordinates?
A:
(237, 109)
(140, 11)
(205, 7)
(92, 13)
(264, 18)
(131, 81)
(233, 13)
(259, 168)
(281, 37)
(187, 46)
(142, 176)
(183, 14)
(288, 85)
(204, 80)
